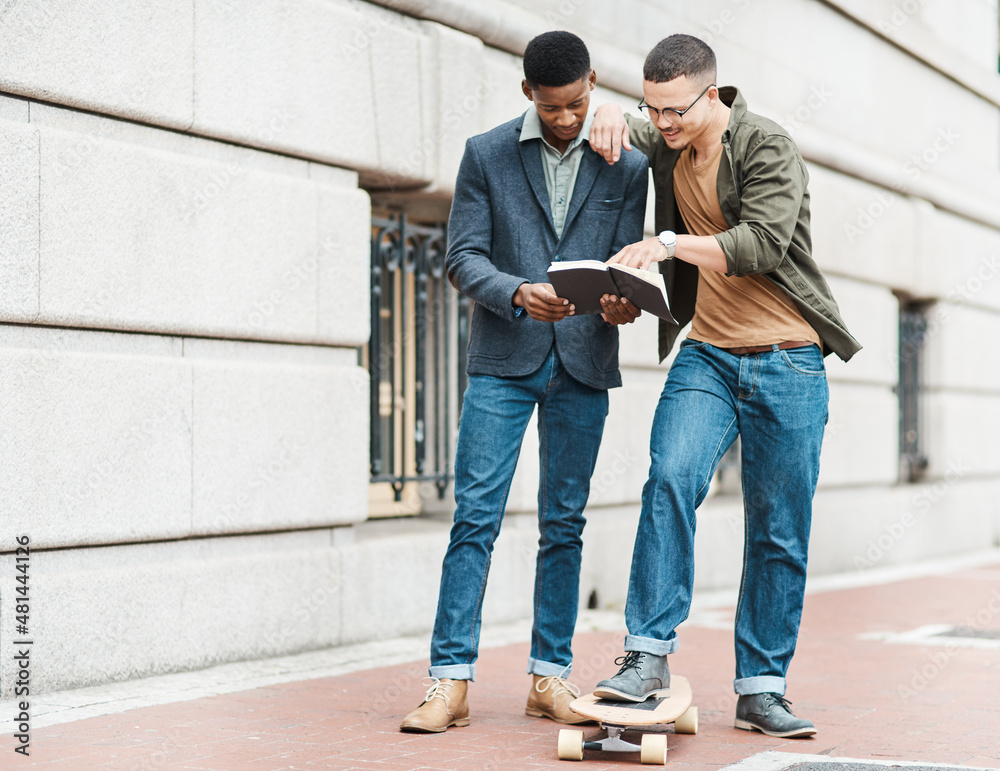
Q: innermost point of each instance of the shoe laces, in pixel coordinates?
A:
(558, 685)
(438, 689)
(631, 660)
(781, 701)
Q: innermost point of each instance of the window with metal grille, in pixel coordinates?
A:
(416, 363)
(912, 337)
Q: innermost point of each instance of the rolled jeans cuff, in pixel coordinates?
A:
(547, 668)
(747, 686)
(454, 672)
(650, 646)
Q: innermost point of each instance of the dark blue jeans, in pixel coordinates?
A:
(495, 414)
(777, 403)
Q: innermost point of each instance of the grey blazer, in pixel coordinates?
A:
(500, 234)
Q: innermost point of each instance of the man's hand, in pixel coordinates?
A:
(618, 310)
(609, 132)
(542, 303)
(641, 254)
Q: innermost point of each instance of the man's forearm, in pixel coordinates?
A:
(703, 251)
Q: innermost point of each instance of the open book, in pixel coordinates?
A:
(584, 282)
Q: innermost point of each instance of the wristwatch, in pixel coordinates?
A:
(669, 240)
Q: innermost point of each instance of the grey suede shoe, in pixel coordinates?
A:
(641, 675)
(769, 713)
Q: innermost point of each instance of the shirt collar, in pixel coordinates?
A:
(532, 128)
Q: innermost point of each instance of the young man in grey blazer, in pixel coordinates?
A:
(528, 193)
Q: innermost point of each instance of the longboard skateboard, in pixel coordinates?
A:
(673, 706)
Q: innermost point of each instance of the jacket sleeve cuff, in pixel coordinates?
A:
(729, 240)
(510, 311)
(641, 134)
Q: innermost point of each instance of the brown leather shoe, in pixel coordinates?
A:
(446, 704)
(550, 697)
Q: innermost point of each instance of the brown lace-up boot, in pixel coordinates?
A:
(550, 697)
(446, 704)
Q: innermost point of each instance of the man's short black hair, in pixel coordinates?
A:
(555, 59)
(680, 55)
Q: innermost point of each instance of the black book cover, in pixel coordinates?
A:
(584, 282)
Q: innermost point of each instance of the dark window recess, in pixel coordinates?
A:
(416, 355)
(969, 632)
(912, 337)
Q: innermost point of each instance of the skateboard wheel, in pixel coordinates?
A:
(653, 750)
(570, 744)
(687, 723)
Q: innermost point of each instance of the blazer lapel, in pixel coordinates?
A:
(532, 162)
(590, 165)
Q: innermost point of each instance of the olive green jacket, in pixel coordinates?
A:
(764, 196)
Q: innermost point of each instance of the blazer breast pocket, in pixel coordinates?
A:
(605, 204)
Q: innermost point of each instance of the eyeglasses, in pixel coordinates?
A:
(674, 116)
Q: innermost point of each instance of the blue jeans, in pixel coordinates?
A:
(495, 414)
(777, 403)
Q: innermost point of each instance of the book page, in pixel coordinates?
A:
(573, 264)
(650, 276)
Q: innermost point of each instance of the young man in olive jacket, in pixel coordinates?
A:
(732, 213)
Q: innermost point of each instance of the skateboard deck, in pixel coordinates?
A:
(673, 706)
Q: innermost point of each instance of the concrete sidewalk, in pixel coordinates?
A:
(894, 667)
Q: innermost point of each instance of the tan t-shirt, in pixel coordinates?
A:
(731, 311)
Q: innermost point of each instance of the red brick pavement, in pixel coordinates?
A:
(871, 698)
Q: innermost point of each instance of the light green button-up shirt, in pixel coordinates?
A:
(560, 168)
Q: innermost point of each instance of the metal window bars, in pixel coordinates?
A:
(415, 357)
(912, 335)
